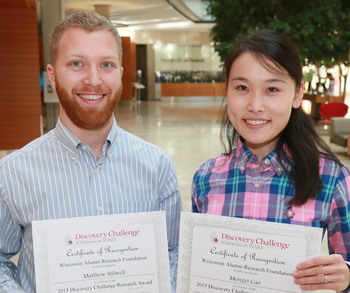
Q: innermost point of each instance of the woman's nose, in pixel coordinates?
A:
(256, 104)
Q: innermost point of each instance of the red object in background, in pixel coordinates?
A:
(333, 109)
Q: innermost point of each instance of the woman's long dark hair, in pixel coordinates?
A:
(304, 143)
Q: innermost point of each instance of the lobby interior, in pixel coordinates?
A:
(172, 40)
(187, 127)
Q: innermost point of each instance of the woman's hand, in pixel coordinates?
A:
(323, 273)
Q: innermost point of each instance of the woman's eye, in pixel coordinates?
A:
(272, 90)
(242, 88)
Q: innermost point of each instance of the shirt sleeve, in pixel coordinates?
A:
(172, 205)
(339, 222)
(195, 208)
(10, 240)
(201, 186)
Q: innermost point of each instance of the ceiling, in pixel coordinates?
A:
(136, 15)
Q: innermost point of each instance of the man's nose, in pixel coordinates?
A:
(93, 77)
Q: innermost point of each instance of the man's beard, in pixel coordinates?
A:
(88, 117)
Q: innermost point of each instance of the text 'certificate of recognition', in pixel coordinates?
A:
(234, 255)
(114, 253)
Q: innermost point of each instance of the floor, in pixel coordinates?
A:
(187, 128)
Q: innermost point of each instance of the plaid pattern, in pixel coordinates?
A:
(234, 186)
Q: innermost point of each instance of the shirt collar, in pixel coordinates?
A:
(69, 141)
(245, 158)
(113, 133)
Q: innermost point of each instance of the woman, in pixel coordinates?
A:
(275, 166)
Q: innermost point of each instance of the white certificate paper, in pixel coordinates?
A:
(223, 254)
(114, 253)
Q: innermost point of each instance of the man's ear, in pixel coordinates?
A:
(298, 97)
(52, 76)
(121, 71)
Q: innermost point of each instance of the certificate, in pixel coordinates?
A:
(223, 254)
(114, 253)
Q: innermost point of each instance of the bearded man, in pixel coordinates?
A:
(87, 165)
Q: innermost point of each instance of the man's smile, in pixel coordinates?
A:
(91, 97)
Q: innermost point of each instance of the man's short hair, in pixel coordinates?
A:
(89, 21)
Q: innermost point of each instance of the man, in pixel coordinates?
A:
(87, 165)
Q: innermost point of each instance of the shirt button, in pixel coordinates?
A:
(84, 148)
(267, 161)
(279, 169)
(95, 170)
(241, 168)
(100, 209)
(257, 184)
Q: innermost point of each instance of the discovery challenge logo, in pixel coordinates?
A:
(257, 243)
(109, 236)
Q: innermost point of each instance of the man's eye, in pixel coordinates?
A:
(106, 64)
(76, 63)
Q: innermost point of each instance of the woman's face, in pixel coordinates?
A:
(260, 102)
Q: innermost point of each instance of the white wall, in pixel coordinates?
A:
(184, 37)
(172, 57)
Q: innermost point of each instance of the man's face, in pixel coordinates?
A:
(87, 77)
